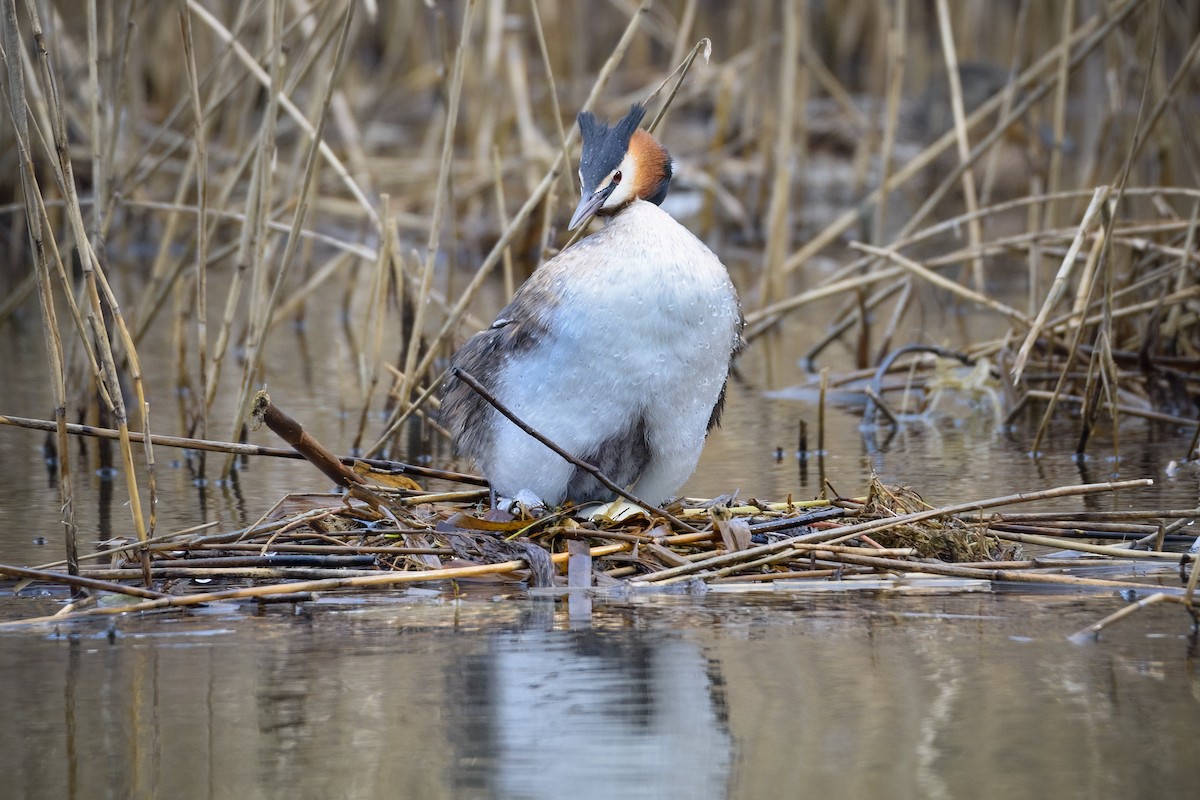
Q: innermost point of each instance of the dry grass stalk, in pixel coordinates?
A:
(233, 448)
(439, 206)
(791, 83)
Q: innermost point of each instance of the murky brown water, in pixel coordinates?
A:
(662, 697)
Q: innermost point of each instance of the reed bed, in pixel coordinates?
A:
(200, 172)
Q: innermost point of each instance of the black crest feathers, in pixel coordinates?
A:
(605, 146)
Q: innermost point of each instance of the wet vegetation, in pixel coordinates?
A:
(207, 172)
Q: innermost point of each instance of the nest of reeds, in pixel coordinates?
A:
(385, 530)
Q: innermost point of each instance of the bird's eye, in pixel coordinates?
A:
(616, 177)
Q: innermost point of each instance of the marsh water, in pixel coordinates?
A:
(497, 694)
(726, 696)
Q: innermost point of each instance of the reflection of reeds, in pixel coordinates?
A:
(274, 157)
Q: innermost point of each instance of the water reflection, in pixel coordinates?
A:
(607, 714)
(713, 697)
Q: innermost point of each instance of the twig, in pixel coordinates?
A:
(604, 480)
(291, 431)
(1094, 629)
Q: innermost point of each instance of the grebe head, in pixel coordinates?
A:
(619, 164)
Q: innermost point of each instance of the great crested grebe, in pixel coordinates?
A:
(618, 349)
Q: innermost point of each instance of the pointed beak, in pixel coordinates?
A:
(588, 206)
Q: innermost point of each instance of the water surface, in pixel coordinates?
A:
(969, 696)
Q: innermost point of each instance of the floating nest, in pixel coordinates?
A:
(384, 529)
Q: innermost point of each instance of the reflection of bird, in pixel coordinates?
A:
(617, 349)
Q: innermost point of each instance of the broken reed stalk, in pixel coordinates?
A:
(778, 228)
(998, 575)
(1093, 630)
(236, 448)
(1088, 516)
(441, 192)
(1099, 197)
(604, 480)
(929, 276)
(166, 572)
(254, 244)
(1084, 547)
(897, 36)
(95, 283)
(160, 540)
(250, 62)
(1088, 44)
(1115, 410)
(291, 431)
(701, 48)
(821, 427)
(265, 308)
(1059, 116)
(414, 407)
(852, 531)
(370, 357)
(477, 280)
(316, 549)
(200, 152)
(1088, 35)
(837, 283)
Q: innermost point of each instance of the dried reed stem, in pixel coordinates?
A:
(783, 156)
(34, 214)
(81, 581)
(234, 448)
(974, 230)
